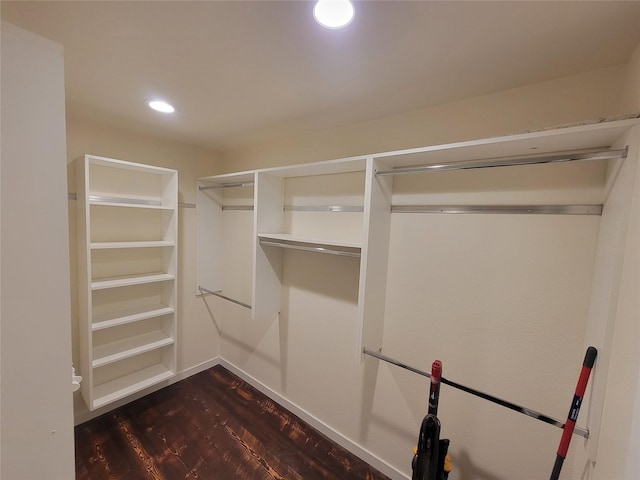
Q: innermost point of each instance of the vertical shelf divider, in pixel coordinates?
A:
(85, 310)
(374, 259)
(267, 267)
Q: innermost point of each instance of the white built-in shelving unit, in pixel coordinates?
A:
(343, 207)
(334, 207)
(127, 268)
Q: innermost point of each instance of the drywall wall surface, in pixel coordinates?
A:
(570, 99)
(501, 300)
(37, 423)
(618, 432)
(198, 333)
(633, 461)
(631, 87)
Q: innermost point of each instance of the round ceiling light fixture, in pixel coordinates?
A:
(333, 13)
(161, 106)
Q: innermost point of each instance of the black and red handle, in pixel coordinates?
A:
(567, 433)
(434, 390)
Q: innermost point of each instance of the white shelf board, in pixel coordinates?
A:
(343, 165)
(113, 352)
(229, 178)
(131, 315)
(288, 238)
(533, 143)
(123, 164)
(129, 384)
(328, 167)
(127, 203)
(130, 280)
(139, 244)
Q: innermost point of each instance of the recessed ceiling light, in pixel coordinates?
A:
(161, 106)
(333, 13)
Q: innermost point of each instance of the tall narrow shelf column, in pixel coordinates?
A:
(127, 268)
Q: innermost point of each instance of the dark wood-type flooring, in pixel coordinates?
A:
(212, 426)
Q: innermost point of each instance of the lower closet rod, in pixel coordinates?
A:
(512, 406)
(218, 294)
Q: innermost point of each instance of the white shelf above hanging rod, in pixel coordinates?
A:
(555, 157)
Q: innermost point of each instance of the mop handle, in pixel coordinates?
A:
(434, 390)
(587, 365)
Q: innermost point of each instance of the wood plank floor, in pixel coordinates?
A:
(212, 426)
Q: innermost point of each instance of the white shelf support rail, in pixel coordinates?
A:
(556, 157)
(224, 297)
(504, 403)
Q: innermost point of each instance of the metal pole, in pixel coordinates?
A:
(512, 406)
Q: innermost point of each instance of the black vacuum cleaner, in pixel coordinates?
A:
(431, 459)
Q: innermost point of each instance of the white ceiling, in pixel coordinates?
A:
(242, 72)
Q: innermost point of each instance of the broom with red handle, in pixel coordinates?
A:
(567, 433)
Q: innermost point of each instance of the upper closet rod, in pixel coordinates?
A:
(227, 185)
(558, 157)
(512, 406)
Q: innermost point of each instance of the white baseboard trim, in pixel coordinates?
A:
(323, 428)
(201, 367)
(84, 415)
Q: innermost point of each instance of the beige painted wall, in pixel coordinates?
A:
(631, 87)
(470, 290)
(499, 293)
(198, 335)
(623, 374)
(36, 416)
(560, 101)
(620, 435)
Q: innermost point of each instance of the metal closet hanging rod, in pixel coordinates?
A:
(226, 185)
(318, 248)
(224, 297)
(511, 406)
(556, 157)
(445, 209)
(238, 207)
(501, 209)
